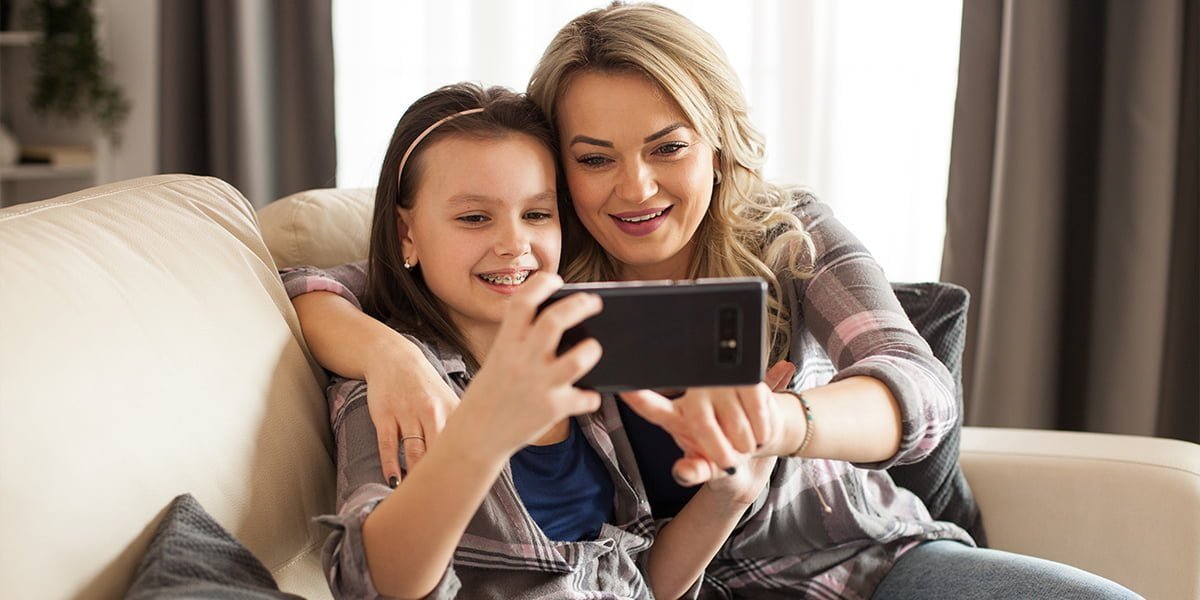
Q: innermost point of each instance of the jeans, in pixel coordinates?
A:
(950, 570)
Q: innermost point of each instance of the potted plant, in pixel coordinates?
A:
(73, 78)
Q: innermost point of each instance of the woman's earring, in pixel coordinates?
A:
(406, 264)
(717, 177)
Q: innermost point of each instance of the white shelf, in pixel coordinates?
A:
(30, 181)
(19, 38)
(34, 171)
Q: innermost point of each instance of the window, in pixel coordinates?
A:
(856, 97)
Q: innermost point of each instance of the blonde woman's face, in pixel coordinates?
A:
(640, 177)
(485, 217)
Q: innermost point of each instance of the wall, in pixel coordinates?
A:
(131, 32)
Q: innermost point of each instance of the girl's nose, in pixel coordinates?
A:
(512, 240)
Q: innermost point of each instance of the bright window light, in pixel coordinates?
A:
(856, 97)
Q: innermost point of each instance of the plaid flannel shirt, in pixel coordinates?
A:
(846, 321)
(503, 554)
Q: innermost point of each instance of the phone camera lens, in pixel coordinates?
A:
(728, 334)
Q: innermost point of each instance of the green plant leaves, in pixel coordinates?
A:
(74, 78)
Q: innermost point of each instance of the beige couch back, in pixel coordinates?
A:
(322, 228)
(147, 349)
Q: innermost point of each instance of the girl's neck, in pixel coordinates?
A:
(479, 338)
(559, 432)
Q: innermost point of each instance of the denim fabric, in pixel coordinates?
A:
(947, 570)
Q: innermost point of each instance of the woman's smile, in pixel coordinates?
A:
(641, 222)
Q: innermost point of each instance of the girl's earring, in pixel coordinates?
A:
(717, 177)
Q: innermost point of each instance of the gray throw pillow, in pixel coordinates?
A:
(192, 556)
(939, 313)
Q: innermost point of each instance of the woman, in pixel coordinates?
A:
(664, 172)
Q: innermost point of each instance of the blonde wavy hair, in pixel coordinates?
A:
(751, 228)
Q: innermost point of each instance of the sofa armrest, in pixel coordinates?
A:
(1124, 507)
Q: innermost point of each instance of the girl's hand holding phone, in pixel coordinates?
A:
(524, 388)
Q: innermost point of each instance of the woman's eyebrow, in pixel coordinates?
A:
(607, 144)
(590, 140)
(663, 131)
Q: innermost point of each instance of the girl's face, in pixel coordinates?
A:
(640, 177)
(484, 218)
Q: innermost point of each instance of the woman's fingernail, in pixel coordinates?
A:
(680, 480)
(730, 470)
(393, 481)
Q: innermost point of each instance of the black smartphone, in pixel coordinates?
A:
(674, 334)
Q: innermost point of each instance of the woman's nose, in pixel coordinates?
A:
(637, 183)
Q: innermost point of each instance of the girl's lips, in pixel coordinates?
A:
(507, 290)
(642, 227)
(502, 288)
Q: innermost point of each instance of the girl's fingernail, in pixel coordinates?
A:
(730, 470)
(393, 481)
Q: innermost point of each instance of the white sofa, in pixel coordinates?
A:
(147, 349)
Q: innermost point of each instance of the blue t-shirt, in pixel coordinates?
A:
(656, 452)
(565, 487)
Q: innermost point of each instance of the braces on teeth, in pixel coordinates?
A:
(506, 279)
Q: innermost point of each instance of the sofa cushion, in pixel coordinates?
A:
(192, 556)
(148, 349)
(939, 313)
(320, 228)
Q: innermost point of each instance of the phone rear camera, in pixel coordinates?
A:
(728, 333)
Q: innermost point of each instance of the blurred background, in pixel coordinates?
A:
(1041, 153)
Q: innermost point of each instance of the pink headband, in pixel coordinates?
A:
(427, 131)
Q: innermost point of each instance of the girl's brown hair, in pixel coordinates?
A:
(399, 296)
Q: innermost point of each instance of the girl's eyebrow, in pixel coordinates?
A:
(607, 144)
(550, 196)
(460, 199)
(471, 199)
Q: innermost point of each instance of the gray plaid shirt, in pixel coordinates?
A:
(503, 554)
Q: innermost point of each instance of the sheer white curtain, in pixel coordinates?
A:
(856, 97)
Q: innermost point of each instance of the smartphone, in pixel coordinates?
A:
(674, 334)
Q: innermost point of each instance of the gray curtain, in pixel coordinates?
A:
(1072, 214)
(247, 93)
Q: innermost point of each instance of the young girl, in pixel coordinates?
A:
(516, 500)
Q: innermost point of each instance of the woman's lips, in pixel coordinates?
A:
(640, 228)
